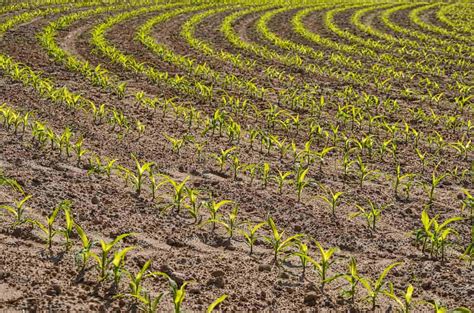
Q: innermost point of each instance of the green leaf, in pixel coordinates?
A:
(216, 302)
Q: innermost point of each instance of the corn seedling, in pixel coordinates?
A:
(265, 168)
(193, 207)
(176, 143)
(352, 278)
(438, 308)
(17, 210)
(300, 181)
(278, 242)
(322, 266)
(303, 255)
(223, 157)
(118, 263)
(371, 214)
(48, 228)
(364, 172)
(401, 179)
(468, 203)
(229, 224)
(148, 303)
(7, 181)
(435, 181)
(137, 176)
(281, 178)
(250, 234)
(69, 223)
(332, 199)
(374, 288)
(213, 209)
(79, 150)
(405, 303)
(103, 258)
(235, 165)
(179, 192)
(83, 255)
(435, 234)
(178, 292)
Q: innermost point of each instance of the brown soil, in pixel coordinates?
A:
(35, 279)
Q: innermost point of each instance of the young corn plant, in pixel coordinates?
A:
(332, 198)
(300, 181)
(176, 143)
(281, 178)
(265, 168)
(236, 165)
(375, 288)
(48, 228)
(371, 214)
(137, 177)
(303, 254)
(178, 292)
(364, 172)
(213, 208)
(468, 203)
(230, 223)
(352, 278)
(17, 210)
(223, 157)
(178, 192)
(137, 292)
(194, 206)
(278, 242)
(104, 259)
(79, 150)
(435, 181)
(434, 235)
(406, 303)
(10, 182)
(322, 266)
(250, 234)
(83, 255)
(69, 223)
(401, 179)
(118, 264)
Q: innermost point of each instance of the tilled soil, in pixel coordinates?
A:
(34, 278)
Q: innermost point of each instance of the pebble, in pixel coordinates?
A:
(219, 282)
(264, 268)
(55, 290)
(310, 299)
(218, 273)
(95, 200)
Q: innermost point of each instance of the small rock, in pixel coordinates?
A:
(175, 243)
(297, 228)
(95, 200)
(219, 282)
(218, 273)
(194, 291)
(310, 299)
(460, 196)
(55, 290)
(427, 284)
(264, 268)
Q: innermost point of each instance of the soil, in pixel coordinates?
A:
(34, 278)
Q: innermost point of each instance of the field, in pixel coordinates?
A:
(236, 156)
